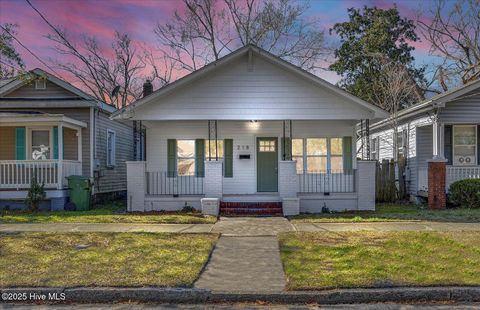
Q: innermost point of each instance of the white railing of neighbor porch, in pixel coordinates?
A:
(329, 181)
(456, 173)
(17, 174)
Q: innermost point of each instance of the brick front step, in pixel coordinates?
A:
(250, 208)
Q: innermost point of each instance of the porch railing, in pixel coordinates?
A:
(328, 181)
(163, 183)
(17, 174)
(456, 173)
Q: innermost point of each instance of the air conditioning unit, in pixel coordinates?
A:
(464, 160)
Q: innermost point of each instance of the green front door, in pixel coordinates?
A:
(267, 165)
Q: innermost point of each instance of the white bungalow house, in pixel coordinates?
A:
(50, 130)
(252, 131)
(444, 129)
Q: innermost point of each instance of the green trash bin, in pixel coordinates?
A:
(79, 190)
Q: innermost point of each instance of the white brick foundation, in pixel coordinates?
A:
(366, 184)
(287, 179)
(136, 185)
(210, 206)
(213, 182)
(291, 206)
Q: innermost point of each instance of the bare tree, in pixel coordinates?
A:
(11, 62)
(207, 29)
(454, 36)
(393, 89)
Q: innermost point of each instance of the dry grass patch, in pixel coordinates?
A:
(380, 259)
(111, 213)
(392, 212)
(109, 259)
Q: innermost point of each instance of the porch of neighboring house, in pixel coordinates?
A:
(454, 155)
(265, 166)
(45, 146)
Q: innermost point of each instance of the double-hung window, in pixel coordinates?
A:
(317, 154)
(111, 146)
(465, 145)
(374, 149)
(211, 151)
(185, 157)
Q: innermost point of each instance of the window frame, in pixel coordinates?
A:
(328, 156)
(29, 140)
(111, 157)
(220, 147)
(401, 148)
(194, 157)
(476, 146)
(374, 148)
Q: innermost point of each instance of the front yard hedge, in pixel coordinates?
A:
(465, 193)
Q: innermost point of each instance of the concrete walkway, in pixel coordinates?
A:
(246, 226)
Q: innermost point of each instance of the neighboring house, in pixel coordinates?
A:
(251, 128)
(51, 129)
(447, 126)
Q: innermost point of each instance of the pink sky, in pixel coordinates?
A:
(101, 18)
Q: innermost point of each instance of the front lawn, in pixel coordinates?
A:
(111, 213)
(102, 259)
(323, 260)
(393, 212)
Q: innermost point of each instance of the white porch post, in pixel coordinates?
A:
(60, 157)
(136, 185)
(79, 146)
(365, 184)
(438, 139)
(213, 181)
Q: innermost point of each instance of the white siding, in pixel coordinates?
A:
(266, 92)
(244, 134)
(463, 110)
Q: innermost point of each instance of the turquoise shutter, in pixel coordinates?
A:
(447, 144)
(172, 157)
(347, 153)
(55, 142)
(228, 158)
(286, 149)
(200, 158)
(20, 143)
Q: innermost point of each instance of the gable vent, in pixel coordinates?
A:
(41, 84)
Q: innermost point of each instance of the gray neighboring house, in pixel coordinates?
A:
(447, 126)
(51, 129)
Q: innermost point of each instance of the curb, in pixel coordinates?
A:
(196, 296)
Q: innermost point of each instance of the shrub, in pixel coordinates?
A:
(36, 194)
(465, 193)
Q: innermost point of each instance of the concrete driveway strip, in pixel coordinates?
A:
(387, 226)
(106, 227)
(244, 264)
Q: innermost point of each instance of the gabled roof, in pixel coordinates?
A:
(124, 113)
(9, 85)
(437, 101)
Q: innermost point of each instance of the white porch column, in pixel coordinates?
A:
(136, 185)
(287, 179)
(60, 157)
(365, 184)
(79, 145)
(213, 181)
(438, 139)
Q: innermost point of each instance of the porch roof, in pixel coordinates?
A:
(13, 118)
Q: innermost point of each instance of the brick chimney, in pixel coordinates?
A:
(147, 88)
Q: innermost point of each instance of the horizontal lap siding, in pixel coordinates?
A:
(51, 91)
(266, 92)
(7, 143)
(80, 114)
(70, 144)
(463, 110)
(113, 179)
(244, 134)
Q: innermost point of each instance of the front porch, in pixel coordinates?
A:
(45, 146)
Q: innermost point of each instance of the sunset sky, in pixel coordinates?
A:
(138, 18)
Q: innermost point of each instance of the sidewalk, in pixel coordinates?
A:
(239, 226)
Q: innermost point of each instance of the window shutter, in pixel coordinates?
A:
(228, 158)
(200, 158)
(347, 153)
(20, 143)
(287, 148)
(448, 144)
(172, 157)
(478, 144)
(55, 142)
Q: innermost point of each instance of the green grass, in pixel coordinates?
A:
(380, 259)
(111, 213)
(112, 259)
(393, 212)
